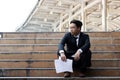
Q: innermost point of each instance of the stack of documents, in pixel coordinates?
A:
(63, 66)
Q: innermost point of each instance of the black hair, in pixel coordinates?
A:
(78, 23)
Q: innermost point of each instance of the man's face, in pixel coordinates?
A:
(73, 29)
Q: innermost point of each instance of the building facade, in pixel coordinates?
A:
(55, 15)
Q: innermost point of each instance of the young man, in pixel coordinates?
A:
(77, 48)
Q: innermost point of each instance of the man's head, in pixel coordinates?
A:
(75, 27)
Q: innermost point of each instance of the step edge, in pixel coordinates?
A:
(53, 52)
(91, 38)
(105, 77)
(90, 68)
(47, 60)
(54, 44)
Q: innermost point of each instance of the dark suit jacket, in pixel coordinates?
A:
(71, 47)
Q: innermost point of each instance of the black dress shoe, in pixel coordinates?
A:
(82, 75)
(67, 74)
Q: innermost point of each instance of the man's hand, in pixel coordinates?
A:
(77, 55)
(63, 57)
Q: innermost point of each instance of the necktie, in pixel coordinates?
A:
(76, 42)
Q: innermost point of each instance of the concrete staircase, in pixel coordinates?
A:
(30, 56)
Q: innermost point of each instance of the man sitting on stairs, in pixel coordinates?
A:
(78, 48)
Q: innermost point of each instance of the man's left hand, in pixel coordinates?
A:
(77, 55)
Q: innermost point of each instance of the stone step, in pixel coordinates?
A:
(104, 34)
(116, 41)
(15, 64)
(53, 34)
(24, 63)
(50, 72)
(53, 55)
(32, 34)
(105, 58)
(60, 78)
(52, 47)
(95, 63)
(56, 41)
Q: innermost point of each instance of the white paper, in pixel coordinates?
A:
(62, 66)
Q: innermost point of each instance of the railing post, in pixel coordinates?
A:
(104, 15)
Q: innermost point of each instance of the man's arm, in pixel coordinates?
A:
(62, 44)
(86, 46)
(61, 48)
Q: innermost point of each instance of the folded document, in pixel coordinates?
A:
(62, 66)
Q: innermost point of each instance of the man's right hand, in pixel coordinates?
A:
(63, 57)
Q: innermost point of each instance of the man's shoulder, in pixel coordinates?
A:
(84, 34)
(67, 33)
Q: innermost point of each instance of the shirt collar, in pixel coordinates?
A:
(77, 35)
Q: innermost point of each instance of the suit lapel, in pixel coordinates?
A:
(80, 40)
(73, 42)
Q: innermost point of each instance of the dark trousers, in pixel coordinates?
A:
(83, 63)
(77, 65)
